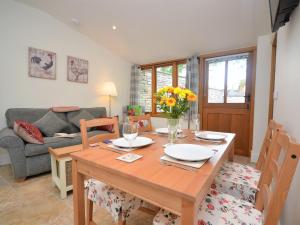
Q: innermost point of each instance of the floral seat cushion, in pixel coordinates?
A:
(217, 209)
(240, 185)
(112, 199)
(240, 168)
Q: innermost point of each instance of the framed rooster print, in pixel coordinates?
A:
(41, 63)
(78, 70)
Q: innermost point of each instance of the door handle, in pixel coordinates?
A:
(247, 98)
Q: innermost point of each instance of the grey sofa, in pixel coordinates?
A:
(31, 159)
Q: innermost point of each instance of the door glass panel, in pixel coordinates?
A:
(236, 80)
(216, 80)
(181, 68)
(163, 78)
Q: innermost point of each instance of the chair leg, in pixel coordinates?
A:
(89, 212)
(120, 220)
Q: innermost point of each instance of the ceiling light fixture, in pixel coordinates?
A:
(75, 21)
(114, 27)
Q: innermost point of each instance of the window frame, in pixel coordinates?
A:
(153, 67)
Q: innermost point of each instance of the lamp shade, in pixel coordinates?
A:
(109, 89)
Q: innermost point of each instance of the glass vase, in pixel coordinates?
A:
(172, 130)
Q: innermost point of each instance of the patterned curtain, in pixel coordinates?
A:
(192, 82)
(134, 82)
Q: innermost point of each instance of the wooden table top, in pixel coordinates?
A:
(63, 152)
(151, 171)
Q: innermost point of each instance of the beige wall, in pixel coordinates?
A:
(287, 105)
(21, 27)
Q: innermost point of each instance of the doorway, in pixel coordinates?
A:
(228, 95)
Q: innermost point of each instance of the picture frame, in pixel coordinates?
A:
(41, 63)
(77, 70)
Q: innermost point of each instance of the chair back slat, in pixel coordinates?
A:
(263, 155)
(84, 124)
(144, 122)
(278, 177)
(275, 170)
(267, 193)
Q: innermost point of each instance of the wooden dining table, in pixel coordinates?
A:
(175, 189)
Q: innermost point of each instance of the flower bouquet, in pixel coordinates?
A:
(174, 102)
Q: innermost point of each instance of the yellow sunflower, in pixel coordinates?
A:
(170, 102)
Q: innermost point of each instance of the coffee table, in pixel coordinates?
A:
(61, 168)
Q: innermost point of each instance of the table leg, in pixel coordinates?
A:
(53, 169)
(62, 179)
(231, 152)
(78, 195)
(189, 213)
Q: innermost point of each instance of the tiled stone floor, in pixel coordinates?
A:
(36, 202)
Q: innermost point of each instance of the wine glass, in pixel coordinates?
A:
(130, 132)
(196, 120)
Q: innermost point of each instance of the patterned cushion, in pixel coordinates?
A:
(217, 209)
(240, 185)
(143, 123)
(240, 168)
(112, 199)
(50, 124)
(28, 132)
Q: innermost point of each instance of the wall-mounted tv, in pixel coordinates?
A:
(280, 11)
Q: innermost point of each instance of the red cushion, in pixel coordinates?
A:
(28, 132)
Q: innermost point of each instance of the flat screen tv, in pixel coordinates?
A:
(280, 11)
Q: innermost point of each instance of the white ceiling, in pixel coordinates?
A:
(154, 30)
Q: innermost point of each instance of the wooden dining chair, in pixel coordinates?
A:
(99, 122)
(118, 203)
(242, 181)
(220, 209)
(143, 121)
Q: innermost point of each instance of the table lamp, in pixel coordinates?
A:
(109, 89)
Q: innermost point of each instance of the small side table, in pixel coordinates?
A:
(61, 168)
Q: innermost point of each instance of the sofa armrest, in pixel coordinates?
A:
(15, 147)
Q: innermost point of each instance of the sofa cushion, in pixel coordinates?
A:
(28, 132)
(28, 114)
(82, 115)
(50, 124)
(56, 142)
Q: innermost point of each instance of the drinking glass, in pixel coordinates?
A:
(196, 120)
(130, 132)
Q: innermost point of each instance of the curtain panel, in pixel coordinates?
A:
(134, 84)
(192, 81)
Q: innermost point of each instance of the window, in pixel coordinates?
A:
(164, 76)
(181, 68)
(156, 76)
(227, 79)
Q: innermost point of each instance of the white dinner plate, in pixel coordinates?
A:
(165, 130)
(210, 136)
(188, 152)
(138, 142)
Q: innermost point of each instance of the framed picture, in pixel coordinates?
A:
(41, 63)
(78, 70)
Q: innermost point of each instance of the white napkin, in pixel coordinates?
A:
(120, 149)
(182, 164)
